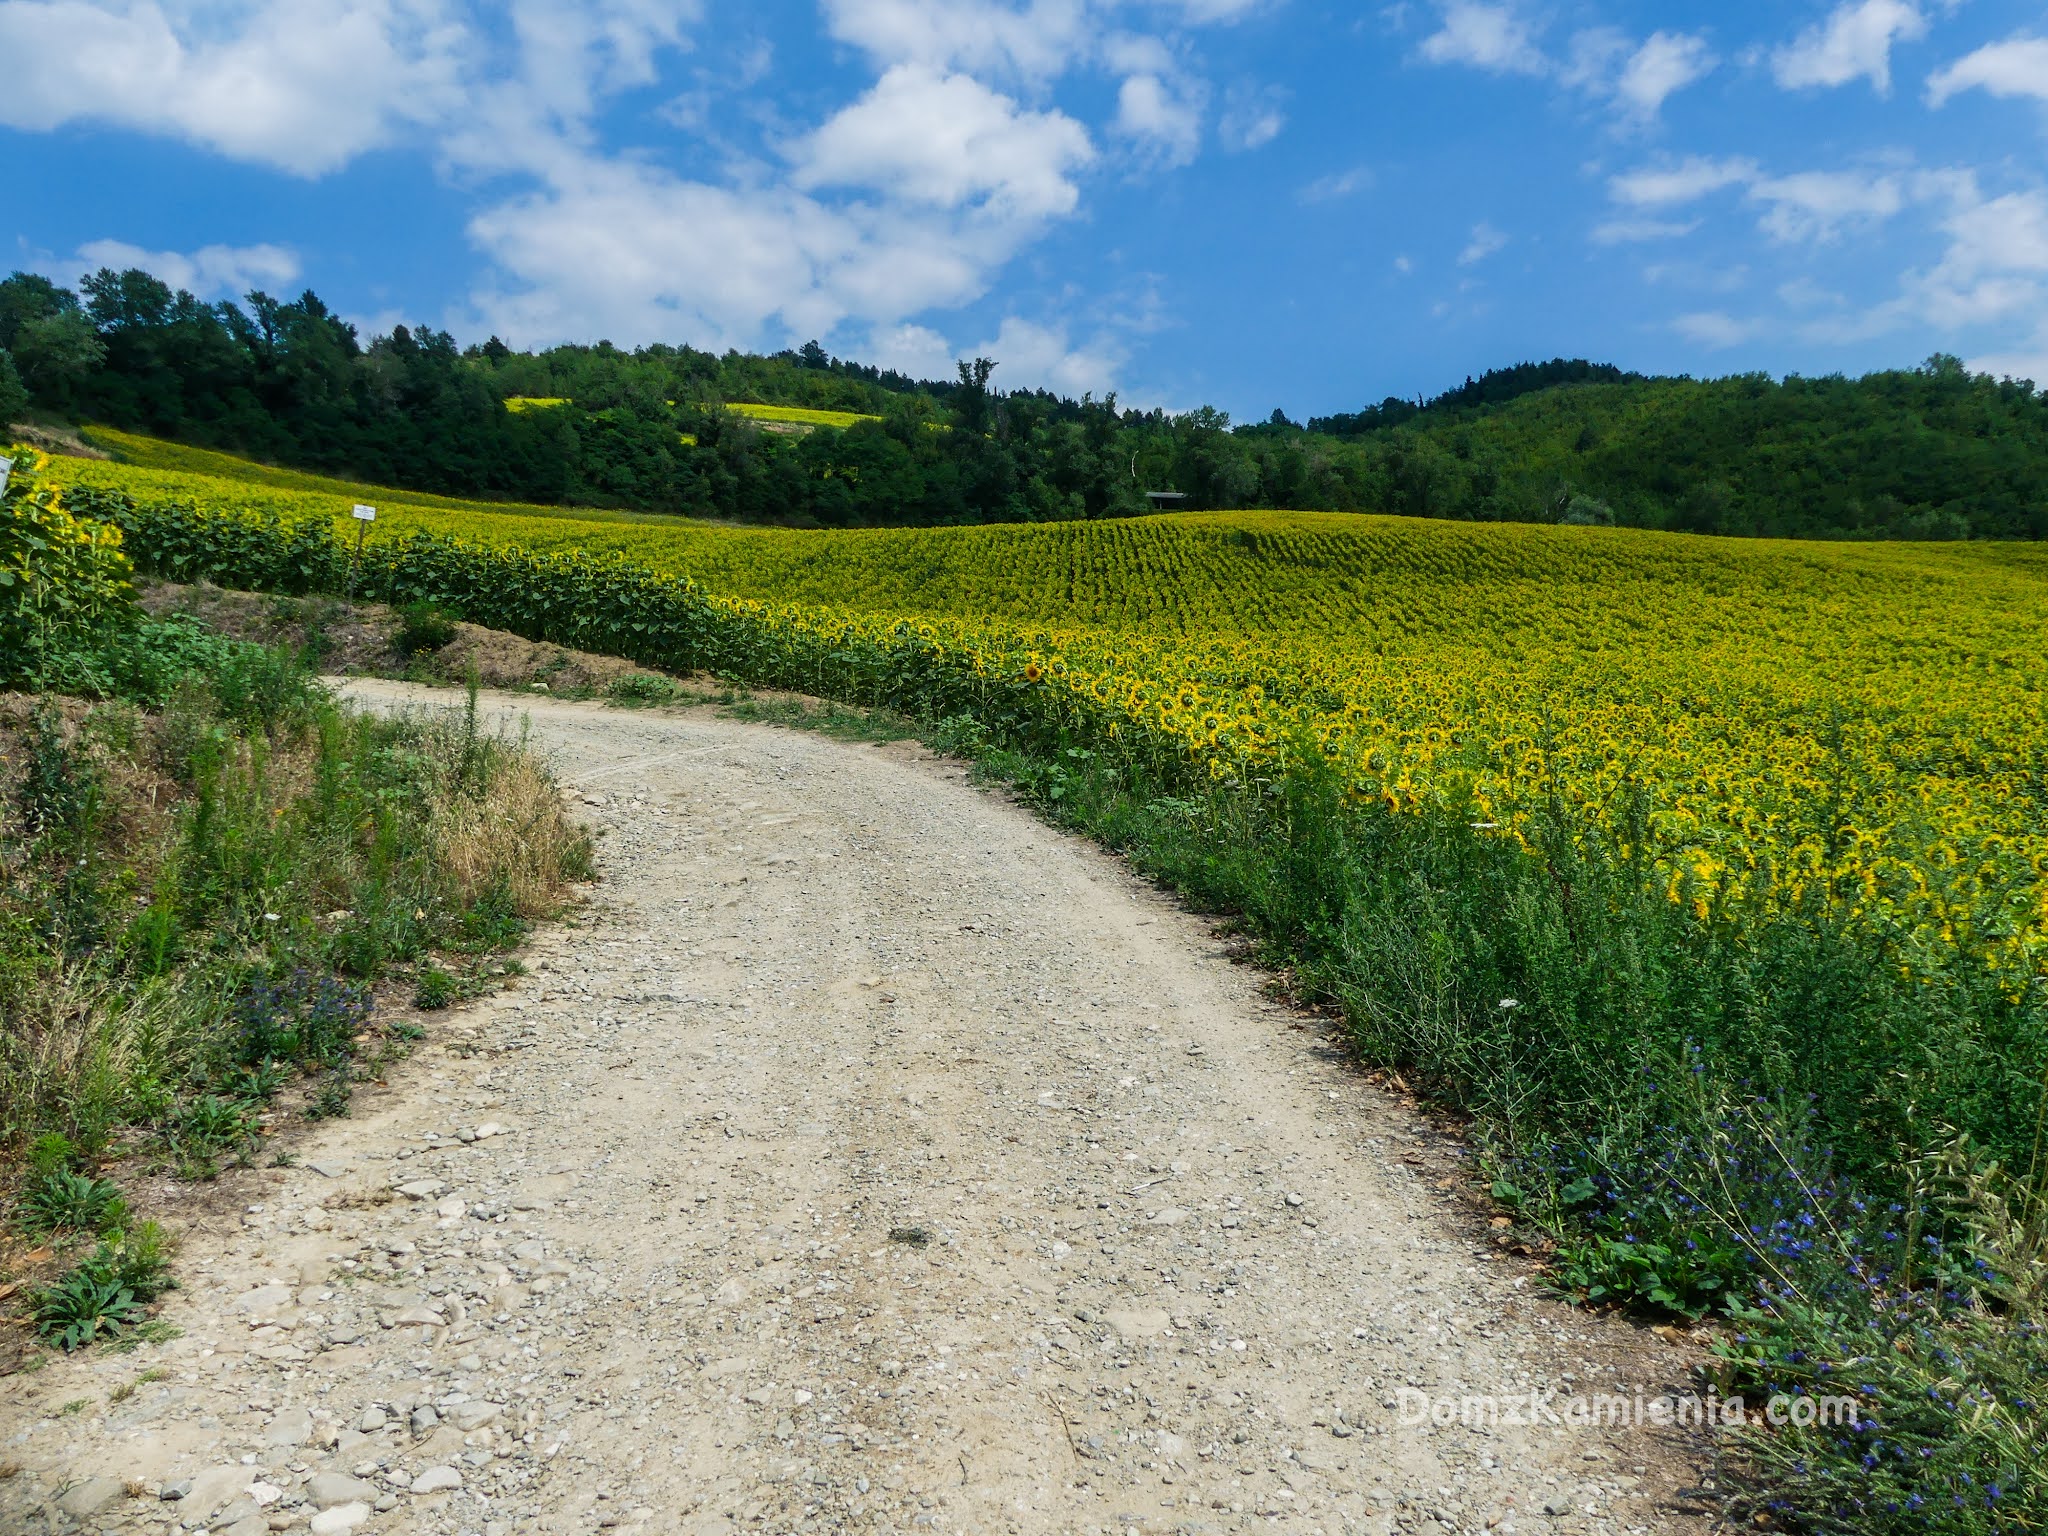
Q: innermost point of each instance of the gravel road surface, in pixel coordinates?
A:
(866, 1156)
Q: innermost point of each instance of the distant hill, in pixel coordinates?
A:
(819, 441)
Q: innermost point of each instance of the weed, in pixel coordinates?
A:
(331, 1100)
(910, 1237)
(434, 990)
(85, 1305)
(205, 1127)
(640, 689)
(423, 626)
(63, 1201)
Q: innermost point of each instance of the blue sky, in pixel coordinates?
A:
(1248, 203)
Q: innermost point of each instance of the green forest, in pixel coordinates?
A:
(1927, 453)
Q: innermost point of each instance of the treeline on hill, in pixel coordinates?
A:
(1929, 453)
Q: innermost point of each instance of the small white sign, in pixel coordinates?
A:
(365, 514)
(6, 469)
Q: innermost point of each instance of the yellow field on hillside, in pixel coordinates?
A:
(1866, 720)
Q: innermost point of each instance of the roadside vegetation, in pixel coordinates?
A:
(208, 870)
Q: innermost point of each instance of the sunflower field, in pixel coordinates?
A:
(1864, 722)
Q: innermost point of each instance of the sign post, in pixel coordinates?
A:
(364, 516)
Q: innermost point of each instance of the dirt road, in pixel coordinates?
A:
(868, 1157)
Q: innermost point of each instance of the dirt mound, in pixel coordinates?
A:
(364, 640)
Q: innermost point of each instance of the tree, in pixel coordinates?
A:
(25, 297)
(973, 402)
(13, 394)
(57, 355)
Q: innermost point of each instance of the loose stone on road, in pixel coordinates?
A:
(867, 1156)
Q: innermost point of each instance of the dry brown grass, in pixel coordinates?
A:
(515, 837)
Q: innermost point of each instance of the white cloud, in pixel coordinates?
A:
(2031, 364)
(629, 252)
(303, 88)
(214, 271)
(1252, 119)
(914, 350)
(1687, 181)
(1853, 43)
(1038, 41)
(2016, 67)
(1666, 64)
(1714, 329)
(1493, 37)
(947, 141)
(1820, 205)
(1486, 241)
(1162, 118)
(1336, 186)
(867, 216)
(1633, 231)
(1034, 356)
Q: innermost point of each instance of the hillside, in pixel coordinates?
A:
(807, 440)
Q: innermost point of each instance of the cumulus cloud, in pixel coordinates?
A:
(2018, 66)
(1853, 43)
(948, 140)
(1252, 119)
(1493, 37)
(904, 201)
(1666, 64)
(303, 88)
(1035, 356)
(1036, 40)
(1162, 119)
(213, 271)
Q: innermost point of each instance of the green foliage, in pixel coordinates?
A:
(63, 1201)
(13, 394)
(434, 990)
(331, 1100)
(423, 626)
(63, 578)
(808, 440)
(103, 1298)
(87, 1304)
(638, 689)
